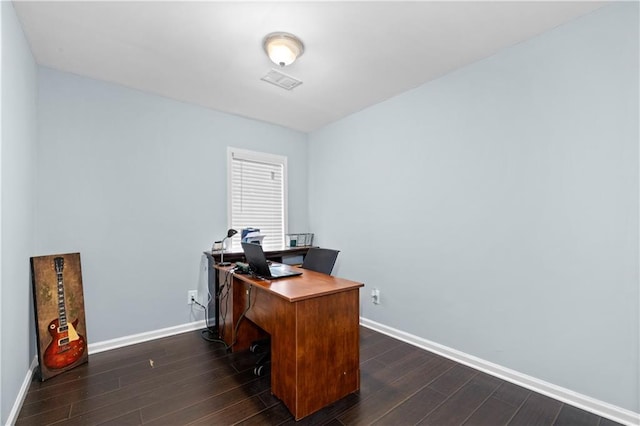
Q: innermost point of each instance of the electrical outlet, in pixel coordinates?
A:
(375, 296)
(191, 296)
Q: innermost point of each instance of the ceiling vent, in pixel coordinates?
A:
(281, 80)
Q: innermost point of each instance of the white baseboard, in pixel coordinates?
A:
(119, 342)
(98, 347)
(22, 393)
(568, 396)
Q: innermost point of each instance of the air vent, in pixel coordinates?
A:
(281, 80)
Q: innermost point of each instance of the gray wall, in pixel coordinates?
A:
(137, 184)
(17, 168)
(496, 208)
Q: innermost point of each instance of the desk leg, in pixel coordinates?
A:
(316, 357)
(213, 305)
(237, 331)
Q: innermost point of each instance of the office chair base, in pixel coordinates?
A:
(263, 348)
(260, 370)
(260, 346)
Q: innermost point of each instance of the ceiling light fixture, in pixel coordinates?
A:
(283, 48)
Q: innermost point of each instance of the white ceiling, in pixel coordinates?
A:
(210, 53)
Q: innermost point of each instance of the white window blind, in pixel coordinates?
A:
(257, 196)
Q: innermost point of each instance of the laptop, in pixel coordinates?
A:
(258, 263)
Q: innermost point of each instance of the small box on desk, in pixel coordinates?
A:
(299, 240)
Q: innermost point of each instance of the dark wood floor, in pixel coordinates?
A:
(183, 380)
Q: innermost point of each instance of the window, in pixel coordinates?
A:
(257, 195)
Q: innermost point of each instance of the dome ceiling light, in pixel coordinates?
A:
(283, 48)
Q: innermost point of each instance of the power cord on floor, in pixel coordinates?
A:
(203, 334)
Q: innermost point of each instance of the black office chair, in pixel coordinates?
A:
(320, 260)
(317, 259)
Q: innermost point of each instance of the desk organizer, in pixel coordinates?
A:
(299, 240)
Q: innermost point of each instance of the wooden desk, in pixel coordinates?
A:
(313, 321)
(213, 258)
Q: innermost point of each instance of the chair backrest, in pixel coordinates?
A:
(320, 260)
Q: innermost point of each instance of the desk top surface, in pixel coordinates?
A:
(308, 285)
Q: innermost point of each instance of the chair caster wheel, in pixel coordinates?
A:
(258, 371)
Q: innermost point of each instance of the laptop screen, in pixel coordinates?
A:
(258, 263)
(256, 259)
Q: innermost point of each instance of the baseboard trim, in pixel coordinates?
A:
(133, 339)
(22, 393)
(568, 396)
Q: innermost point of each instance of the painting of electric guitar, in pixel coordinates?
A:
(59, 307)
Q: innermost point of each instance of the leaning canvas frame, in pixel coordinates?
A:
(58, 301)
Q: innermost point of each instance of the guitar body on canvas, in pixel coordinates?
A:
(66, 348)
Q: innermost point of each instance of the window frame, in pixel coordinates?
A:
(263, 157)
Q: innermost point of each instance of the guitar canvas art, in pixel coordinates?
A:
(59, 309)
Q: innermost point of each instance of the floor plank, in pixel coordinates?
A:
(414, 409)
(537, 410)
(387, 398)
(493, 412)
(461, 405)
(570, 416)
